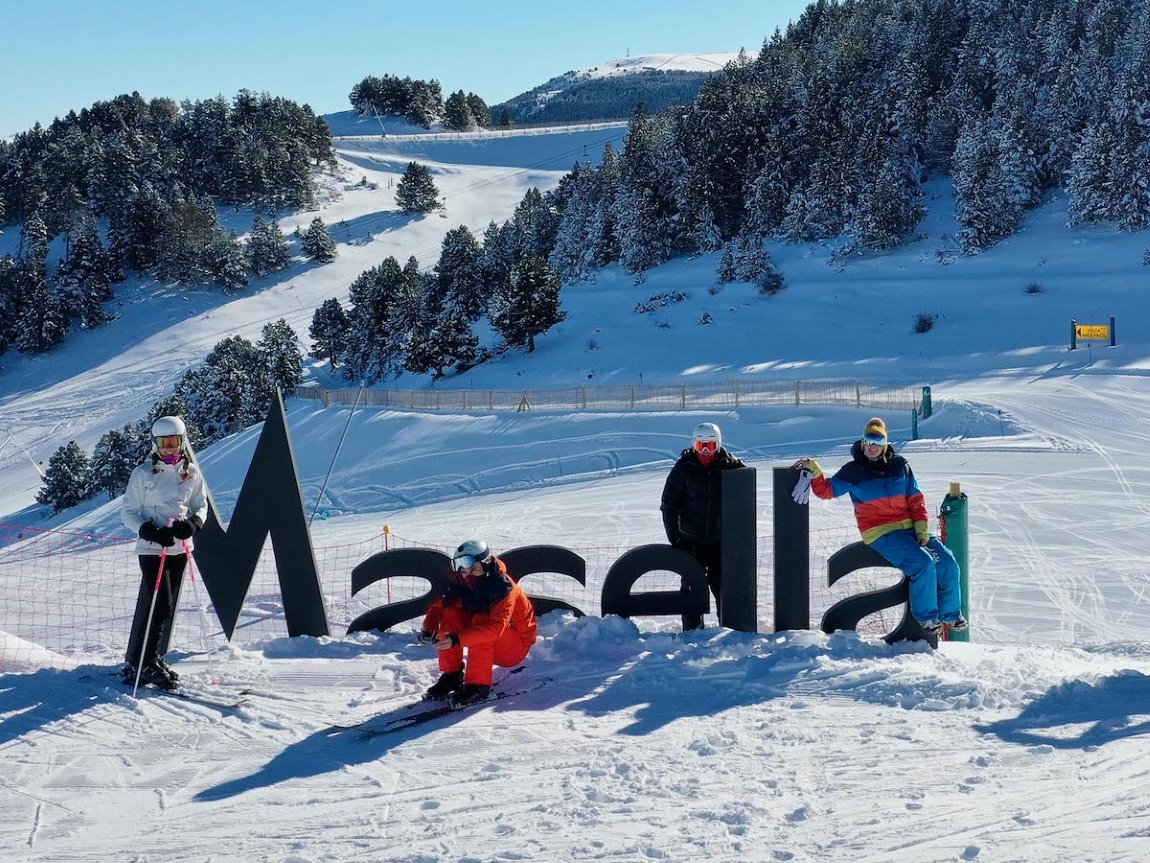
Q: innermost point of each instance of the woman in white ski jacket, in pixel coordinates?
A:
(165, 504)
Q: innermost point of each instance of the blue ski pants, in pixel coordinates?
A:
(932, 570)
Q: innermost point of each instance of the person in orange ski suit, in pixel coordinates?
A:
(483, 611)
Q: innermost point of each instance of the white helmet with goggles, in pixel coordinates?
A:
(707, 438)
(169, 427)
(469, 553)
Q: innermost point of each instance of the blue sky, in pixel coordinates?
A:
(67, 55)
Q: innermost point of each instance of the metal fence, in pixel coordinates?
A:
(726, 395)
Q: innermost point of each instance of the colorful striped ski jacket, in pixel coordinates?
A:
(884, 492)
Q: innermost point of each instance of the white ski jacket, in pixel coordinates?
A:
(162, 493)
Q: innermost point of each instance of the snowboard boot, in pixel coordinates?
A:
(448, 682)
(470, 693)
(959, 624)
(156, 674)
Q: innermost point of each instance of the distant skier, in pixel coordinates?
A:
(892, 518)
(692, 507)
(165, 503)
(483, 611)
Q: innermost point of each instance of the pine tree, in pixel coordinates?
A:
(115, 456)
(458, 272)
(889, 207)
(457, 113)
(84, 278)
(226, 262)
(479, 110)
(329, 332)
(369, 356)
(530, 304)
(65, 480)
(571, 256)
(43, 322)
(317, 243)
(267, 248)
(747, 259)
(230, 391)
(416, 192)
(496, 258)
(11, 301)
(987, 206)
(282, 357)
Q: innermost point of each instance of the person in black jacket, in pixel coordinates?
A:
(692, 506)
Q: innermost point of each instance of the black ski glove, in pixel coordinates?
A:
(183, 529)
(164, 536)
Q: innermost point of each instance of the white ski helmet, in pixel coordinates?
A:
(470, 552)
(707, 432)
(165, 426)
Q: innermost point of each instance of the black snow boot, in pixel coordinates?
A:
(448, 682)
(470, 693)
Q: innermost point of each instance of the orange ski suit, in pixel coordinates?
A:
(492, 617)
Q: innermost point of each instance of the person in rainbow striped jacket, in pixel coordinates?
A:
(891, 514)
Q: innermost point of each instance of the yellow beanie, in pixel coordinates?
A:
(875, 431)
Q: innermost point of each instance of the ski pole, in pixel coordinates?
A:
(148, 627)
(199, 602)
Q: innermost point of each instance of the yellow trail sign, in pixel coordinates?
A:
(1092, 332)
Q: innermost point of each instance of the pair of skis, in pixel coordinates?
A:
(419, 712)
(221, 699)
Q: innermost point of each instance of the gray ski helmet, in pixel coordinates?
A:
(707, 432)
(470, 552)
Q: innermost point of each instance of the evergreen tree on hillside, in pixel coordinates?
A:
(145, 224)
(496, 258)
(889, 206)
(747, 259)
(369, 354)
(42, 322)
(11, 301)
(282, 357)
(644, 202)
(84, 278)
(479, 110)
(529, 306)
(405, 320)
(416, 192)
(115, 456)
(451, 341)
(459, 274)
(230, 391)
(329, 332)
(226, 262)
(65, 480)
(267, 248)
(987, 204)
(457, 113)
(572, 257)
(317, 243)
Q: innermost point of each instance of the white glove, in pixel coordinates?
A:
(802, 490)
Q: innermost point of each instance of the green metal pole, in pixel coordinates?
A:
(956, 537)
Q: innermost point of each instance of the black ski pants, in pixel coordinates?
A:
(167, 597)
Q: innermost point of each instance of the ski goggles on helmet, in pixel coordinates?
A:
(464, 561)
(707, 447)
(170, 441)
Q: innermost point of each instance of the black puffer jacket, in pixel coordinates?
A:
(692, 498)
